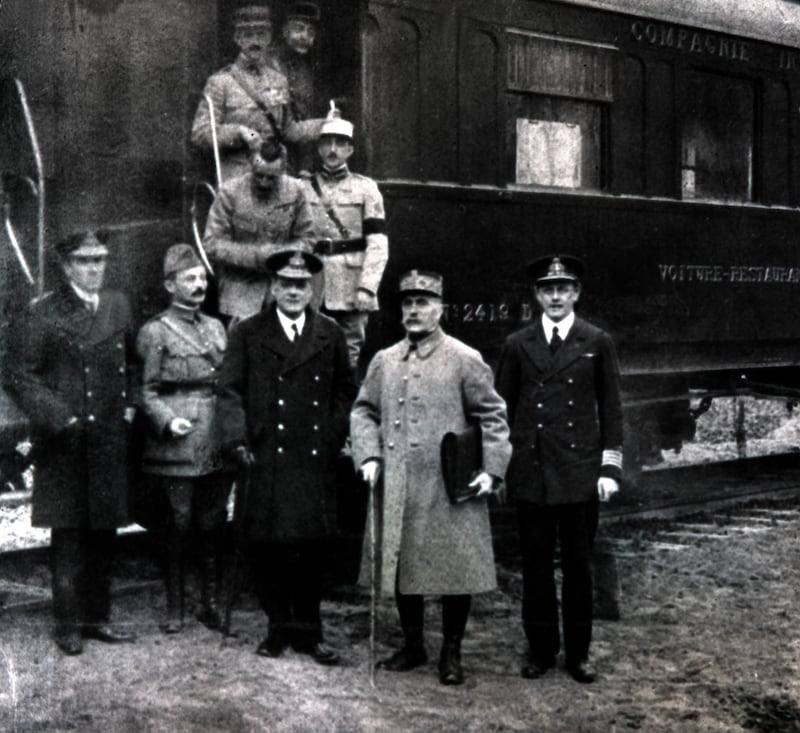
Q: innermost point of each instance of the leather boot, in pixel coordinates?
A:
(173, 577)
(209, 612)
(450, 670)
(410, 656)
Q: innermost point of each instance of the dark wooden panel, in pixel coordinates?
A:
(627, 128)
(773, 176)
(659, 131)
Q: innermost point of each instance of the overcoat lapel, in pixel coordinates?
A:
(75, 318)
(538, 350)
(311, 342)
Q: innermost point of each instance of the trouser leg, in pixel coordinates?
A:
(411, 609)
(268, 565)
(66, 568)
(209, 510)
(99, 557)
(307, 593)
(574, 532)
(455, 610)
(538, 531)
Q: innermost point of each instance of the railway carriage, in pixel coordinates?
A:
(660, 145)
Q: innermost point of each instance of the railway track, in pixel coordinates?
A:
(668, 510)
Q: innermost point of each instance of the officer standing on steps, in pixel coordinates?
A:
(73, 378)
(181, 349)
(286, 390)
(560, 379)
(251, 99)
(350, 226)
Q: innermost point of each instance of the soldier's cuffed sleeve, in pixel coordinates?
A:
(150, 348)
(365, 417)
(609, 402)
(373, 229)
(483, 403)
(302, 131)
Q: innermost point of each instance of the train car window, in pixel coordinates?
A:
(717, 140)
(558, 92)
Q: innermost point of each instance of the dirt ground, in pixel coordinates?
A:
(709, 641)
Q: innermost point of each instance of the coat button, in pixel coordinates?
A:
(569, 424)
(313, 451)
(280, 449)
(316, 428)
(405, 377)
(572, 445)
(570, 380)
(397, 423)
(315, 403)
(401, 400)
(86, 370)
(119, 345)
(121, 370)
(316, 377)
(89, 393)
(124, 393)
(391, 445)
(90, 418)
(571, 403)
(280, 426)
(540, 405)
(540, 426)
(280, 403)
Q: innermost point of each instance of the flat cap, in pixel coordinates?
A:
(556, 268)
(258, 15)
(335, 125)
(83, 244)
(180, 257)
(294, 263)
(304, 11)
(422, 281)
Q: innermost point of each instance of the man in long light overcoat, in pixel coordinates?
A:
(286, 392)
(73, 381)
(414, 392)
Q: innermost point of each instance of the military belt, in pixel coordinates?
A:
(327, 247)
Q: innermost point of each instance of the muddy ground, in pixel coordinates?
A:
(709, 641)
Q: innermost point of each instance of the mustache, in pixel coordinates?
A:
(199, 291)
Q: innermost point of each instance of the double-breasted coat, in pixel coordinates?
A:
(181, 353)
(409, 399)
(288, 403)
(564, 409)
(244, 228)
(76, 363)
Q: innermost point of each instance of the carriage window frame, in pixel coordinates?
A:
(557, 93)
(714, 117)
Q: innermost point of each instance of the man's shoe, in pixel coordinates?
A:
(405, 659)
(107, 634)
(272, 646)
(320, 653)
(172, 626)
(582, 672)
(70, 643)
(535, 668)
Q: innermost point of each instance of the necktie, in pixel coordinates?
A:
(555, 341)
(295, 332)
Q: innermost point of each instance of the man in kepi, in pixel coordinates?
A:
(181, 349)
(250, 99)
(286, 391)
(255, 216)
(350, 225)
(560, 378)
(414, 392)
(72, 379)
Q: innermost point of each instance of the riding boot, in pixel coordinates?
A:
(450, 670)
(209, 569)
(455, 610)
(173, 577)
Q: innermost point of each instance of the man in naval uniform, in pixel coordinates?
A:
(350, 226)
(560, 379)
(181, 350)
(251, 99)
(285, 395)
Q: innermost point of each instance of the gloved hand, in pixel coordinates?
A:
(370, 470)
(486, 483)
(243, 457)
(180, 426)
(606, 488)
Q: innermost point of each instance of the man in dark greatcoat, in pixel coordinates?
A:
(560, 378)
(285, 393)
(72, 380)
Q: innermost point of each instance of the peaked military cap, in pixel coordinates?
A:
(422, 281)
(294, 263)
(335, 125)
(304, 11)
(83, 244)
(252, 15)
(180, 257)
(556, 268)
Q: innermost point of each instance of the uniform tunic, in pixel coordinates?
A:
(182, 353)
(359, 206)
(244, 228)
(76, 364)
(288, 402)
(234, 107)
(409, 399)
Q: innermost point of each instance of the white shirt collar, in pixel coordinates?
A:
(286, 323)
(564, 326)
(92, 299)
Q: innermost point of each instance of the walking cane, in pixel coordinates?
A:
(214, 139)
(239, 508)
(373, 594)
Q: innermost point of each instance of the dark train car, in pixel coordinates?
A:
(660, 146)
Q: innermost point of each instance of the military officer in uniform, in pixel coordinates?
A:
(181, 350)
(251, 99)
(560, 379)
(414, 392)
(351, 230)
(73, 379)
(293, 57)
(285, 395)
(253, 217)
